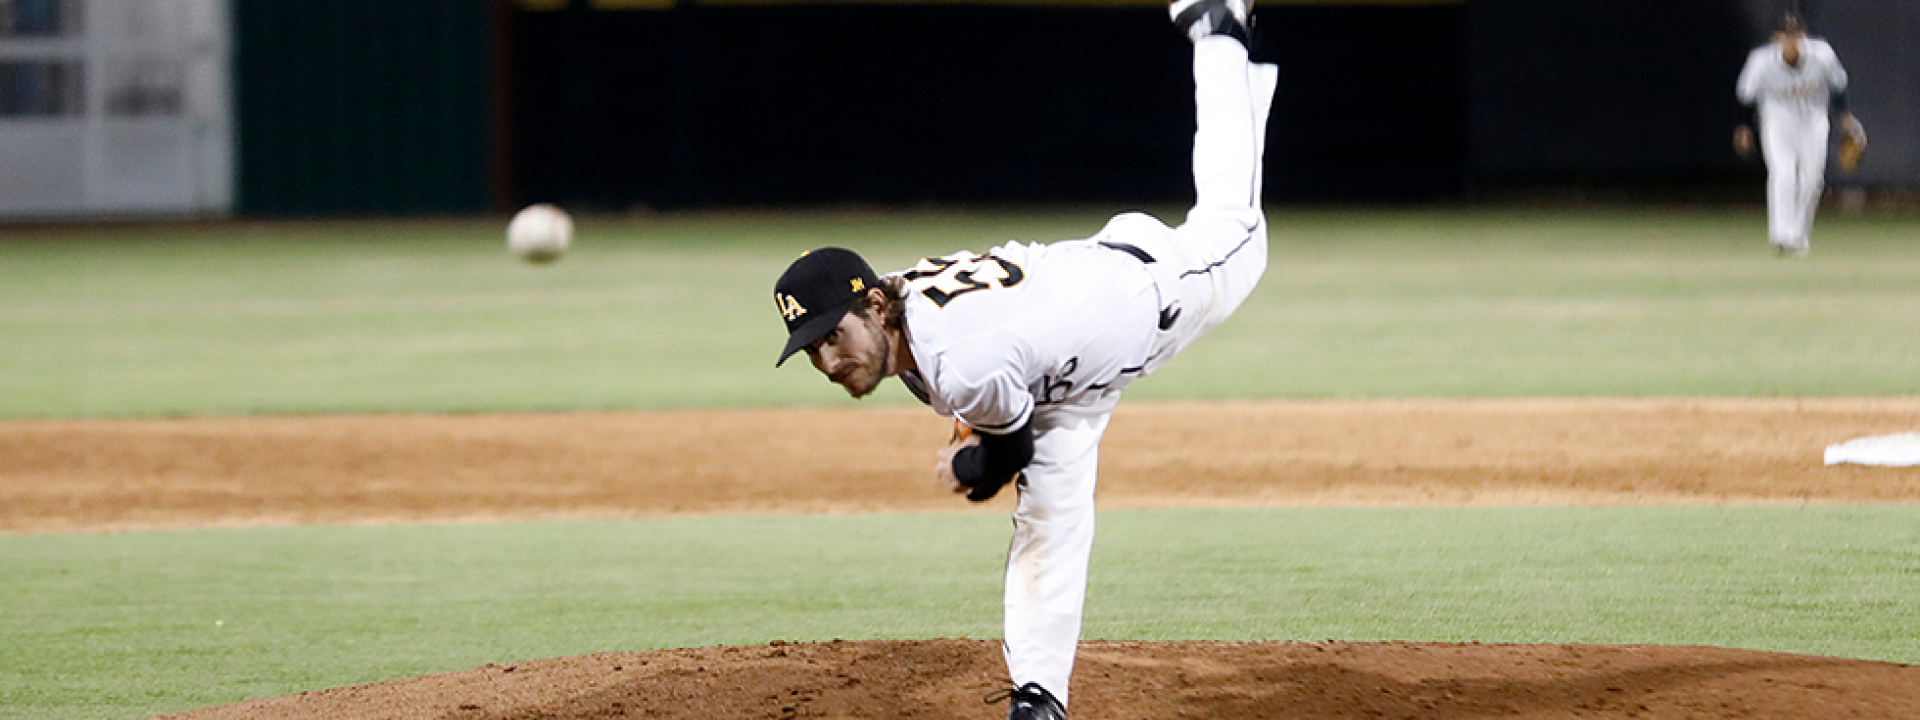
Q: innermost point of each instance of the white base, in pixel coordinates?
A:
(1902, 450)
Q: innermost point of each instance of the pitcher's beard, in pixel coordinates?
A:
(882, 368)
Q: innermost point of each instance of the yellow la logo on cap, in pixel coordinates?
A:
(859, 285)
(789, 308)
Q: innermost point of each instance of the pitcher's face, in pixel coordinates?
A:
(855, 355)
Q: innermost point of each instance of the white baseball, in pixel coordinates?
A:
(540, 233)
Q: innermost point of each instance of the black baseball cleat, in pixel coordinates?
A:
(1032, 702)
(1200, 18)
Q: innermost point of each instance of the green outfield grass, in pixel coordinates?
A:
(676, 311)
(125, 625)
(655, 312)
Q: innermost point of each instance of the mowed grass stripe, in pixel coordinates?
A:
(673, 311)
(134, 624)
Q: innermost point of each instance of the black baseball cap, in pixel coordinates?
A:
(815, 293)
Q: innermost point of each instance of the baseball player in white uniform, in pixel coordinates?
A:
(1030, 345)
(1796, 81)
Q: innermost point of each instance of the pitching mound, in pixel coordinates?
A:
(1126, 681)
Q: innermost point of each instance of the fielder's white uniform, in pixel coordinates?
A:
(1050, 334)
(1793, 107)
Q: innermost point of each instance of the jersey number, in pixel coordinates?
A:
(961, 273)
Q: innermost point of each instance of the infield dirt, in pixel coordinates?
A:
(66, 476)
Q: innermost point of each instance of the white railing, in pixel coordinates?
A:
(115, 107)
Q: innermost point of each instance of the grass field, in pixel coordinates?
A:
(124, 625)
(674, 312)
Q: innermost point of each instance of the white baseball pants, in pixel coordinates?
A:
(1205, 268)
(1209, 265)
(1795, 149)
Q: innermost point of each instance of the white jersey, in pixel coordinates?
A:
(1027, 328)
(1790, 94)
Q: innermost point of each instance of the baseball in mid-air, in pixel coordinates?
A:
(540, 233)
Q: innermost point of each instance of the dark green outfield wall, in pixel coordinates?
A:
(922, 103)
(455, 106)
(367, 107)
(363, 106)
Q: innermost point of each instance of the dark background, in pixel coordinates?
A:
(452, 106)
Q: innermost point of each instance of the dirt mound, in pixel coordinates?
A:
(941, 679)
(195, 472)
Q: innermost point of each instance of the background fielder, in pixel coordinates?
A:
(1032, 344)
(1794, 80)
